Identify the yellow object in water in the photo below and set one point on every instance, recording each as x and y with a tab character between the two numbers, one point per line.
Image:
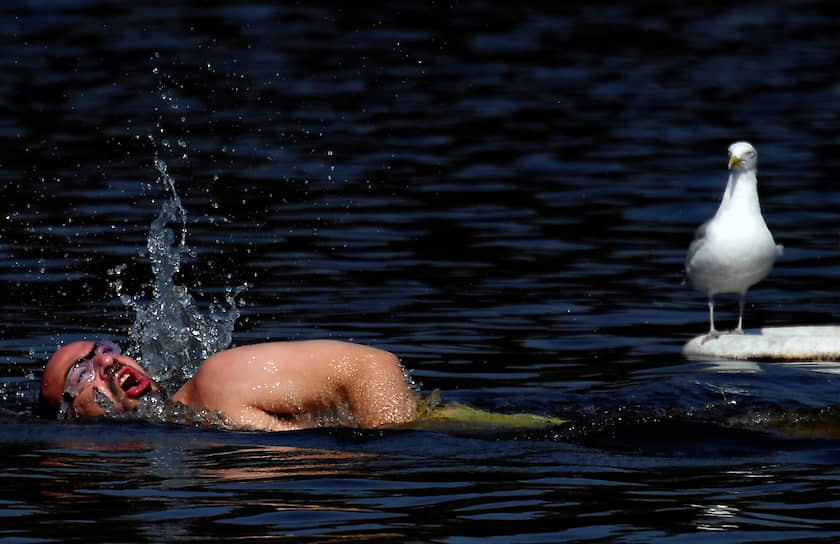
454	416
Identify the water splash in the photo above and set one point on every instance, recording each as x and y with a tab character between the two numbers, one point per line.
155	407
105	403
171	334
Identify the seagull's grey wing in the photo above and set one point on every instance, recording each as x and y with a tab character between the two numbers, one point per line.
699	237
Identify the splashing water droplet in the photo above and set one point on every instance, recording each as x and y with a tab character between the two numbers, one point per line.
104	402
172	335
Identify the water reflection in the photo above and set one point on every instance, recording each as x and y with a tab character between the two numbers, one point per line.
277	463
717	517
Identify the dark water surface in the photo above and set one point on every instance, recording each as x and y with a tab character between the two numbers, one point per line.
501	195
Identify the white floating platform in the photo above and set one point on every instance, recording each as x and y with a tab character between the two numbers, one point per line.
805	343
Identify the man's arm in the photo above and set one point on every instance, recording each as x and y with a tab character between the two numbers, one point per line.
286	385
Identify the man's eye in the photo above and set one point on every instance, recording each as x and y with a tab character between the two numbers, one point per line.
79	375
105	346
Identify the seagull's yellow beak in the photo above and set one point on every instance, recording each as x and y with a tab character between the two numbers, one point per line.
733	160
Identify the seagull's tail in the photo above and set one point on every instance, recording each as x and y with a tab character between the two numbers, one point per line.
780	250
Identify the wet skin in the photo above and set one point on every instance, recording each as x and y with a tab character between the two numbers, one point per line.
270	386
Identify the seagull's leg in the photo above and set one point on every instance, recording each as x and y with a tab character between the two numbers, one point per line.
738	329
713	333
712	315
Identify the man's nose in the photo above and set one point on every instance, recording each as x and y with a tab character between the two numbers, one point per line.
103	363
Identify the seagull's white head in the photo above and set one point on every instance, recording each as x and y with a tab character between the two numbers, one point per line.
742	156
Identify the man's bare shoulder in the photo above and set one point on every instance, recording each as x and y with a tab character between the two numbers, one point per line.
295	378
290	351
304	358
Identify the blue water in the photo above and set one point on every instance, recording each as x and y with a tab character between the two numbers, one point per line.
500	194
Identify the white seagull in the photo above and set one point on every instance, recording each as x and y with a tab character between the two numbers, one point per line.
733	250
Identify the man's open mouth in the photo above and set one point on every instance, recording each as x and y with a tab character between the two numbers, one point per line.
131	382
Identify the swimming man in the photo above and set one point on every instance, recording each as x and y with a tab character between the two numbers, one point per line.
272	386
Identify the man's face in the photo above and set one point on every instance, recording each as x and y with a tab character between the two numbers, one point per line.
75	370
